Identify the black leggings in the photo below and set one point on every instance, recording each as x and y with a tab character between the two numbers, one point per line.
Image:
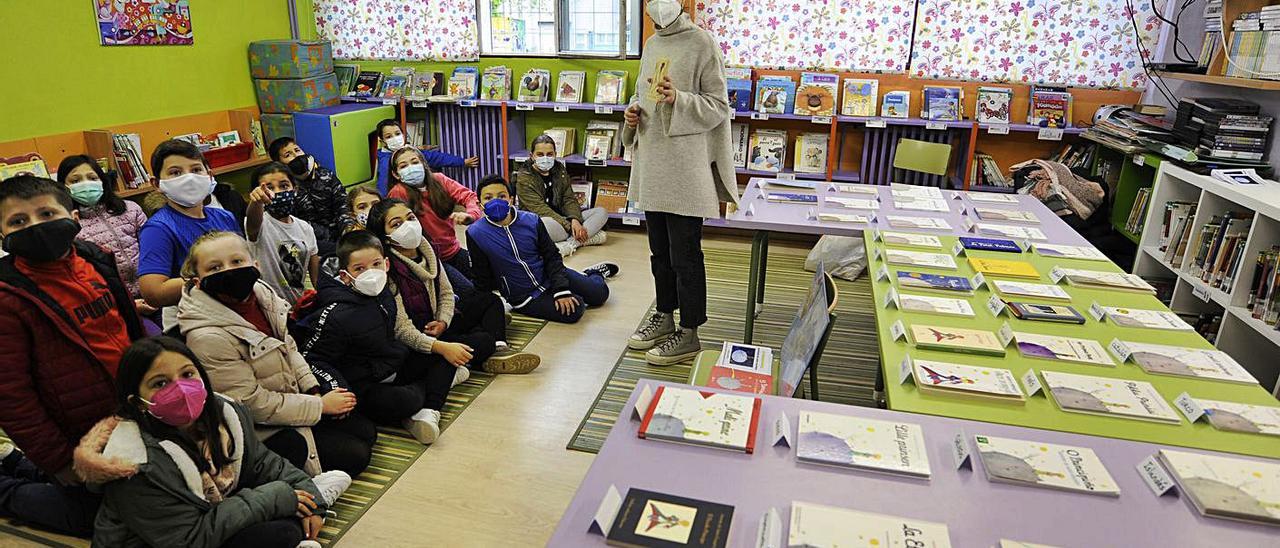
478	321
277	533
423	382
342	444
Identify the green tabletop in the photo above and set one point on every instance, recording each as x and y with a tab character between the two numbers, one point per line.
1040	411
700	374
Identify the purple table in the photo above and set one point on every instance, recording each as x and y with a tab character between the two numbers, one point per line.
978	513
758	214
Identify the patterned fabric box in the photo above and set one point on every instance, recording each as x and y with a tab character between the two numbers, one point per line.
275	126
293	95
289	58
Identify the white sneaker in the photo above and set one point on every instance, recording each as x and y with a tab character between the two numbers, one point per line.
461	375
567	247
332	484
309	544
424	425
599	239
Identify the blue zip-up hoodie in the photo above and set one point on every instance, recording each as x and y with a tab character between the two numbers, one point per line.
435	159
520	260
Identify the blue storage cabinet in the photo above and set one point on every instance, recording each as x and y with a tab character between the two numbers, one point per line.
341	137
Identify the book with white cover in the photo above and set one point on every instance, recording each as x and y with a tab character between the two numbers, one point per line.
997	214
684	415
1106	280
921	204
926	223
992	198
1006	543
1227	487
919	258
870	190
945	377
884	446
926	304
1241	417
900	190
1048	347
1070	252
1159	359
852	203
1028	289
817	525
1109	397
909	239
1045	465
1150	319
1009	231
845	218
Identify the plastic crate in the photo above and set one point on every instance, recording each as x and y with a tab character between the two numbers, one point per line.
231	154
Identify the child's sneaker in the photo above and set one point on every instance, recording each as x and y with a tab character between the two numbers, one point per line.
605	269
460	376
599	239
424	425
567	247
332	484
655	328
681	346
506	360
309	544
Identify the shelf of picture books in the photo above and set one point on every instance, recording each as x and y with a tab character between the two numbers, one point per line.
1061	318
1221	241
471	86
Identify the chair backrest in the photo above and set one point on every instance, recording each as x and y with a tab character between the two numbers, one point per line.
922	156
808	333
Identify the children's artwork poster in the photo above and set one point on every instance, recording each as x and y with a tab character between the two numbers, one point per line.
144	22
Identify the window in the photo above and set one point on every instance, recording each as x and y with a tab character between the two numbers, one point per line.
552	27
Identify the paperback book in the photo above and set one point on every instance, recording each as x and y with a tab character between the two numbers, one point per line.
911	203
747	357
897	104
993	105
922	259
741	137
570	85
1106	280
990	244
495	83
1108	397
367	83
1159	359
1048	347
393	86
768	150
346	75
934	305
967	380
811	153
900	190
845	218
1048	465
775	95
852	203
1007	288
920	280
1045	312
1069	252
428	84
792	198
1148	319
738	82
1049	107
847	188
859	97
535	86
1015	215
465	83
649	518
942	103
739	380
611	87
661	70
991	197
866	444
921	223
1009	231
1227	487
814	525
817	94
1242	417
955	339
1001	267
682	415
910	239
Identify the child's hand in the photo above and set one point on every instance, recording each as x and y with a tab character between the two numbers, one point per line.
567	305
579	231
306	503
472	162
668	91
435	328
143	308
337	402
457	354
311	526
460	218
632	115
261	195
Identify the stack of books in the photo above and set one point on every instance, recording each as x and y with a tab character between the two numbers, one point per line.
128	153
986	172
1138	214
1076	155
1212	33
1175	230
743	368
1220	247
1263	303
1255	45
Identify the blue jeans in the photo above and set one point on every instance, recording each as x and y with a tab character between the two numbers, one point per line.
589	289
459	271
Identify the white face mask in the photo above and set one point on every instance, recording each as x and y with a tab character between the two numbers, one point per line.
663	12
544	163
188	189
370	282
394	143
413	175
408	235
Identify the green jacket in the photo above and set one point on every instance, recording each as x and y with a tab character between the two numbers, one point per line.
153	493
532	194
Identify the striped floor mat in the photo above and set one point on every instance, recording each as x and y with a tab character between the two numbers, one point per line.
394	452
848	367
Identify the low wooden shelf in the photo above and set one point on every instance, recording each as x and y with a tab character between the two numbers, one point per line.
1250	83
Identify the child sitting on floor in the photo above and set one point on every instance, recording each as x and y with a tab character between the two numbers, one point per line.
284	245
359	201
543	187
391	139
513	254
435	199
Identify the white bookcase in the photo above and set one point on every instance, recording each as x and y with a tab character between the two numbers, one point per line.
1249	341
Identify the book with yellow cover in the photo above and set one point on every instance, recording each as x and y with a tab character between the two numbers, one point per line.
1005	268
956	339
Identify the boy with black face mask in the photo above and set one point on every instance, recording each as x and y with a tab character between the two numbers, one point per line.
66	318
321	198
284	244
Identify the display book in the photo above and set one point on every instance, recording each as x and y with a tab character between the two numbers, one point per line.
957	285
396	85
927	304
1108	397
904	257
611	195
565	139
942	103
495	83
1013	289
708	419
1009	231
896	104
993	105
535	86
817	94
603	140
1066	349
743	368
649	518
1047	465
1219	249
1087	253
1045	312
740	136
865	444
611	87
1001	214
367	83
1094	279
820	525
464	83
1147	319
953	379
811	152
768	150
346	74
570	85
955	339
1050	107
1004	268
860	97
775	94
427	84
1241	417
1181	361
1226	487
990	244
738	83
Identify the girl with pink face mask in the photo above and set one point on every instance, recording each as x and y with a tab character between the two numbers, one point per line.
179	464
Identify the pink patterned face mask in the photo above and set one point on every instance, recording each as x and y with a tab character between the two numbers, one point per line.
179	403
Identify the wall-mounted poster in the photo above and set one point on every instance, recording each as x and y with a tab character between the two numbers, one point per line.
144	22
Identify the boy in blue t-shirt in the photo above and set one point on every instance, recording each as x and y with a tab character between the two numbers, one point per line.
184	180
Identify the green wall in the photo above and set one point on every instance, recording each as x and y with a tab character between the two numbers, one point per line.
68	82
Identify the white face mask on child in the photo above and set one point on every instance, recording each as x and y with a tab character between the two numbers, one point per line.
544	163
188	189
394	143
413	175
370	282
408	235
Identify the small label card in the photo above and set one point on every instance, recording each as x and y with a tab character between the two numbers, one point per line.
390	101
560	108
811	215
1139	159
1097	312
891	299
786	176
631	220
643	401
824	120
1050	134
750	211
998	129
1189	407
876	254
882	274
967	224
905	370
935	125
524	106
1031	382
1005	334
604	109
1120	350
957	249
1200	291
1155	476
769	534
782	430
960	450
606	513
468	103
759	116
897	331
421	104
978	280
875	235
996	306
597	163
875	122
1056	275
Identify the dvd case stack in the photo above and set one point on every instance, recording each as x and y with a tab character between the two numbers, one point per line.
1222	128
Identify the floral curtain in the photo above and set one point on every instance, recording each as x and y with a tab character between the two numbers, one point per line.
1081	43
407	30
852	35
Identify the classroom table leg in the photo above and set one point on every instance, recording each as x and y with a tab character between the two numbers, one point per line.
753	276
764	270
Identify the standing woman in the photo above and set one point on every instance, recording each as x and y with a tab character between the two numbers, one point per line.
433	197
678	125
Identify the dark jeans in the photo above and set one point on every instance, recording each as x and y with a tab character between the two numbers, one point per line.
679	271
277	533
458	268
29	495
589	289
342	444
423	382
478	322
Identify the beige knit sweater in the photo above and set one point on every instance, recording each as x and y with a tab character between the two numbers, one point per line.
683	155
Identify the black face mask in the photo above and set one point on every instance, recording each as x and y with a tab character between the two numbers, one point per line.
236	283
301	165
43	242
282	204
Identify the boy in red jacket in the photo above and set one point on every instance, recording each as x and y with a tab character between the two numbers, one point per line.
65	320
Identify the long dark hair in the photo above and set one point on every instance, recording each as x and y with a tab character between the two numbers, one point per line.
269	168
134	365
113	203
377	224
439	200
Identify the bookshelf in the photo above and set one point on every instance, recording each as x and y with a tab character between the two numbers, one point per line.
1250	341
1265	85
